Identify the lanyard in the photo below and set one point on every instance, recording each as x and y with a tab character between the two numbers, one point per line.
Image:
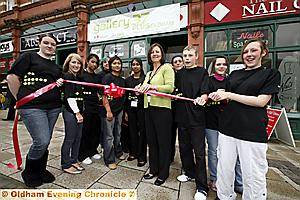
151	76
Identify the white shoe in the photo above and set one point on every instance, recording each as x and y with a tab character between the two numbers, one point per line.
184	178
87	161
200	195
97	156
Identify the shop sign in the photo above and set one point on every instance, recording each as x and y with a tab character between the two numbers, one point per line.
231	10
240	37
63	37
6	47
144	22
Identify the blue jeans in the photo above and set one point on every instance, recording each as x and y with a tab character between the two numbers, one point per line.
71	144
212	141
40	124
112	137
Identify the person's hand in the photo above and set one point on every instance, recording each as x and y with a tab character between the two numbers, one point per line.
146	87
79	117
109	116
59	82
200	101
219	95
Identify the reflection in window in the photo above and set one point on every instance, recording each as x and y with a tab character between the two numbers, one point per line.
216	41
138	49
119	49
240	36
288	64
9	4
288	35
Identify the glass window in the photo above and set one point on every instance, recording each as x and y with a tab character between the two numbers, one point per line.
138	49
288	35
216	41
97	50
119	49
240	36
288	64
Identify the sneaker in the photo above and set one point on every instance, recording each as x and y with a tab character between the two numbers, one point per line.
87	161
184	178
122	157
112	166
200	195
97	156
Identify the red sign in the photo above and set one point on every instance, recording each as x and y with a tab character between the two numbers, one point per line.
222	11
273	115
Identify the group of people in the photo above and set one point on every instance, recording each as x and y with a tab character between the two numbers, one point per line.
229	111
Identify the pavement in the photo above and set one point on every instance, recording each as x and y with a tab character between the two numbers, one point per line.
283	178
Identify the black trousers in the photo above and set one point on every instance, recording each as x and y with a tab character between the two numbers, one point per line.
173	139
158	130
137	133
192	154
91	132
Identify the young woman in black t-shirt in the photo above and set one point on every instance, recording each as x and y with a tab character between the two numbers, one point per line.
30	72
218	80
243	124
114	112
72	114
91	131
136	115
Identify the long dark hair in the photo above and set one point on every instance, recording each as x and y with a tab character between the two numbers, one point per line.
140	63
213	69
112	59
90	57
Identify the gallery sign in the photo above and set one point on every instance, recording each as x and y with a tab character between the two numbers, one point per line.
143	22
63	37
6	47
231	10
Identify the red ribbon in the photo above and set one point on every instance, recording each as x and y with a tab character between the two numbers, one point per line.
111	90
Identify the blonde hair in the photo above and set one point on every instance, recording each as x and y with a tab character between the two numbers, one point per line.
68	60
191	47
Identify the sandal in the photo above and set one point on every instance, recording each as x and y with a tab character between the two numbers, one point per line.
78	166
72	170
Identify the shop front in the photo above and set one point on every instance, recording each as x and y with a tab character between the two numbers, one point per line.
229	23
6	60
130	34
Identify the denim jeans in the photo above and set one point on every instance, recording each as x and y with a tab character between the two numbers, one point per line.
212	141
40	124
112	145
71	144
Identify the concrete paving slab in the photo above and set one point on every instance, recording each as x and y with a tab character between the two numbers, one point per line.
152	192
122	177
101	186
133	165
281	190
4	155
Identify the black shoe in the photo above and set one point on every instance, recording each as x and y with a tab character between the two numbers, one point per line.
32	173
7	119
238	190
131	158
47	177
159	182
141	163
149	176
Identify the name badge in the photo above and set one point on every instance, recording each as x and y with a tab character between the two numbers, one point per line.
134	104
149	98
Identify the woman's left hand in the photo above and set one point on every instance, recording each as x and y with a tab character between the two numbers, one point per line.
200	101
146	87
59	82
219	95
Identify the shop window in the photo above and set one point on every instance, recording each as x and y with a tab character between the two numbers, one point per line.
288	64
97	50
216	41
240	36
288	35
138	49
119	49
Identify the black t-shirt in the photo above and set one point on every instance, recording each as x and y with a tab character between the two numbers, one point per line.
191	83
248	122
36	72
72	90
116	105
133	101
213	109
91	100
